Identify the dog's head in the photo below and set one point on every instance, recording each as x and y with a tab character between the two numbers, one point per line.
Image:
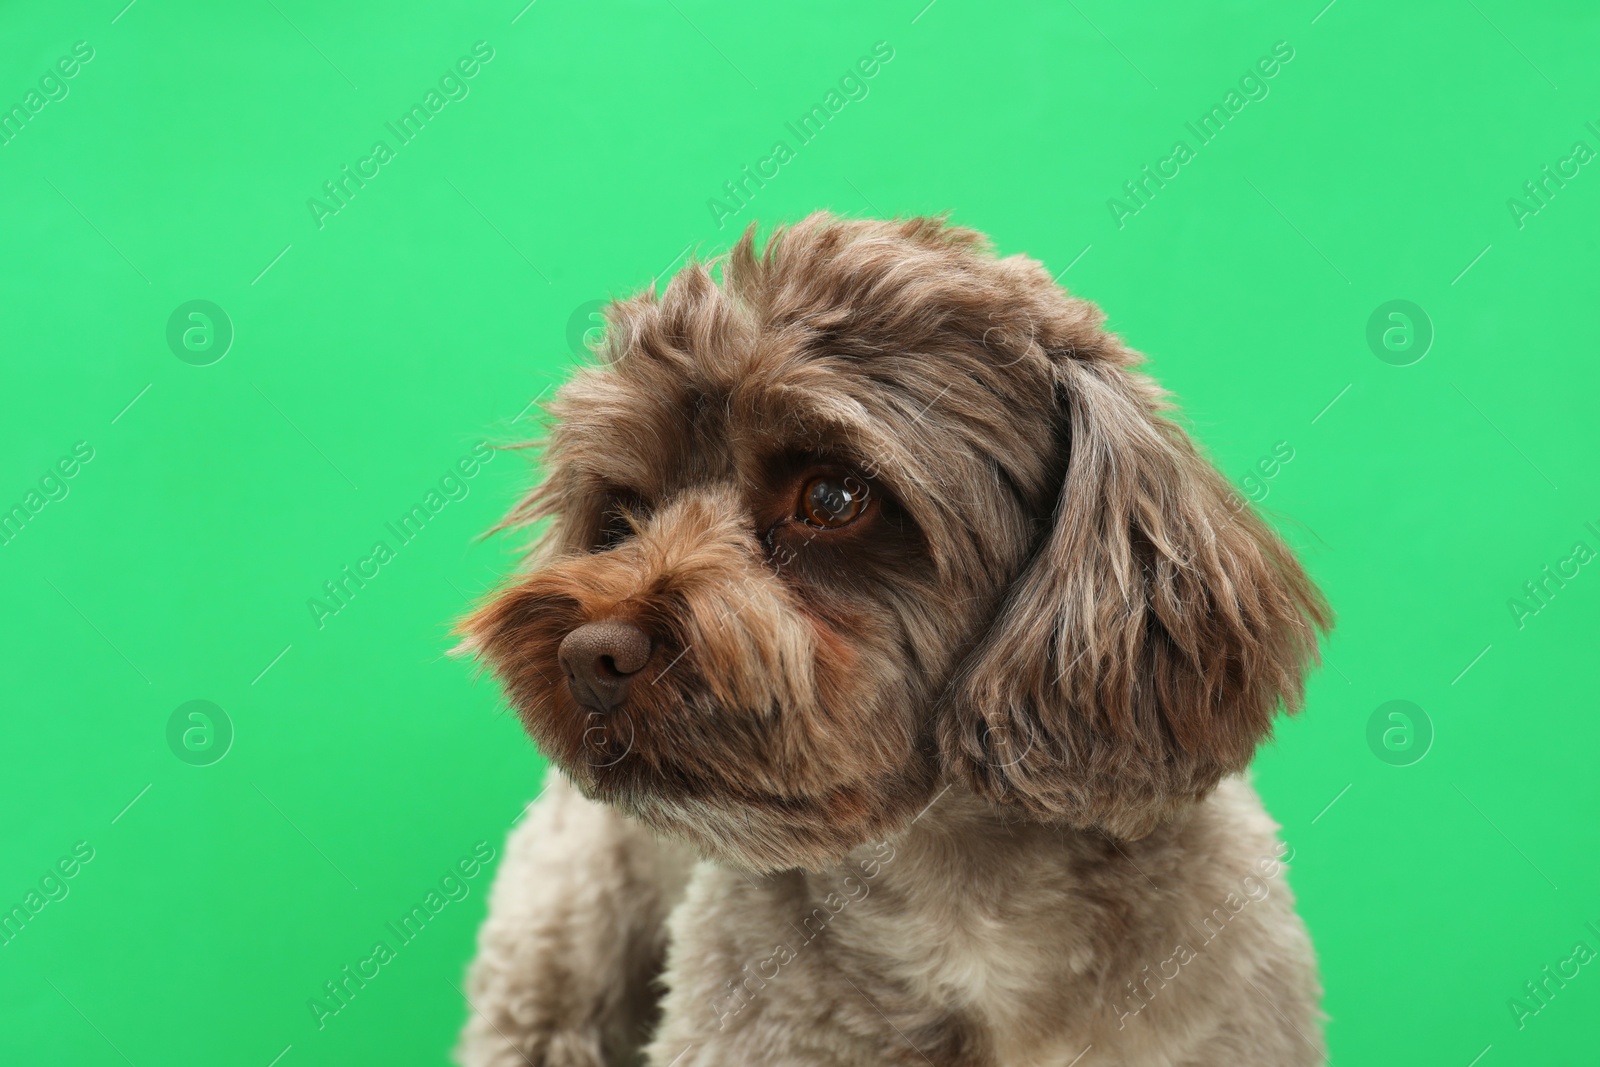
873	512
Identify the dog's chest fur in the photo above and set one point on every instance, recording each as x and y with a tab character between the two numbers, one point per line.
977	934
982	943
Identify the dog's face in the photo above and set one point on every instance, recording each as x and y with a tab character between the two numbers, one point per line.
877	511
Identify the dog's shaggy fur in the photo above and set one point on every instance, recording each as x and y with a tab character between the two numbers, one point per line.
956	772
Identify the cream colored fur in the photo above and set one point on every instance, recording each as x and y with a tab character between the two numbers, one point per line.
970	937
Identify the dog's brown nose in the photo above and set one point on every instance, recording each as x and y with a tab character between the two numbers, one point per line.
600	659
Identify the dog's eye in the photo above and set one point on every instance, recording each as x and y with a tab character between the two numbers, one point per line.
830	501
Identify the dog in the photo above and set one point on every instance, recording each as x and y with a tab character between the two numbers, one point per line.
902	659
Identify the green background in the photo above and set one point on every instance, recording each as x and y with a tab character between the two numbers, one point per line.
373	352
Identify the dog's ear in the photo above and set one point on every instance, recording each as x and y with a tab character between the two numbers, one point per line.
1145	647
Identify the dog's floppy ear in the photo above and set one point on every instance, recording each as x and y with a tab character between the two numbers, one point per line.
1146	646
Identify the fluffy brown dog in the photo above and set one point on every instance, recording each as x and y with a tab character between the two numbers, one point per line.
877	579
